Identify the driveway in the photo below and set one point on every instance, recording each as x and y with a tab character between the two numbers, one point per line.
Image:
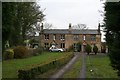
66	67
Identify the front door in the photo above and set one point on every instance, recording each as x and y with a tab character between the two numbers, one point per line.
83	46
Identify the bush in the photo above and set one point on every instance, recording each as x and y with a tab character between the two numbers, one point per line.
30	51
79	46
31	72
88	48
70	48
37	51
9	54
40	50
95	49
103	51
20	52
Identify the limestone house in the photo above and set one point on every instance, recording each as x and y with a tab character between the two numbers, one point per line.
64	38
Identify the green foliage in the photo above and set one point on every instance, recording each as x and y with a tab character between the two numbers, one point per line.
35	52
112	23
30	51
114	58
10	67
33	41
38	51
75	70
42	68
70	48
88	48
7	21
20	52
79	46
9	54
18	19
100	66
95	49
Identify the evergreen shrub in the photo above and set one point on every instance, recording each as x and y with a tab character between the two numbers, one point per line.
88	48
95	49
21	52
9	54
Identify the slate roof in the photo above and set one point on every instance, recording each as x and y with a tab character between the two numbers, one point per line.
73	31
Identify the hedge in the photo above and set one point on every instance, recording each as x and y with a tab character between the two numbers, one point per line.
8	54
31	72
20	52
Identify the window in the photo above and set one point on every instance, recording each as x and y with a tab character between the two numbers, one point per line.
75	46
62	37
62	45
84	37
46	36
54	36
76	37
46	45
87	38
93	37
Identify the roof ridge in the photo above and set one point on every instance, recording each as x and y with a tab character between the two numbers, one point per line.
71	29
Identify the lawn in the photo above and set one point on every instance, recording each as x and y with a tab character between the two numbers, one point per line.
10	67
74	70
98	66
0	70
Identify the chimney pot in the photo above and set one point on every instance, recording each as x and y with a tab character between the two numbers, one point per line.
42	26
70	26
99	28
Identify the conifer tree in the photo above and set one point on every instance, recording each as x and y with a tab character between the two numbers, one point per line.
112	29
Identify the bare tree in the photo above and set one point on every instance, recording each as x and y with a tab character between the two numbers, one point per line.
34	29
80	26
48	26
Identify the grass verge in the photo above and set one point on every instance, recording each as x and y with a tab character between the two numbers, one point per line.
0	70
98	66
10	67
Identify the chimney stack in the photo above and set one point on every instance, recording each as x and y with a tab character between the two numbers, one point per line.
41	30
42	27
70	27
99	28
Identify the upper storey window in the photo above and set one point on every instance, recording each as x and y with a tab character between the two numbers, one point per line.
54	36
84	37
62	37
46	36
76	37
93	37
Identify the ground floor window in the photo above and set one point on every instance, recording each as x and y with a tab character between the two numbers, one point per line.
62	45
46	45
75	46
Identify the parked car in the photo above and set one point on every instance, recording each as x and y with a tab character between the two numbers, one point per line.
55	49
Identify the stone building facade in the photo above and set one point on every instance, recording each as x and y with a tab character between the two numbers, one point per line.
65	38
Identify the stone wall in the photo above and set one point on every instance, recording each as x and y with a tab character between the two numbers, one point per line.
69	41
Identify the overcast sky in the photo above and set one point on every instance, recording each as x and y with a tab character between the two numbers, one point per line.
61	13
